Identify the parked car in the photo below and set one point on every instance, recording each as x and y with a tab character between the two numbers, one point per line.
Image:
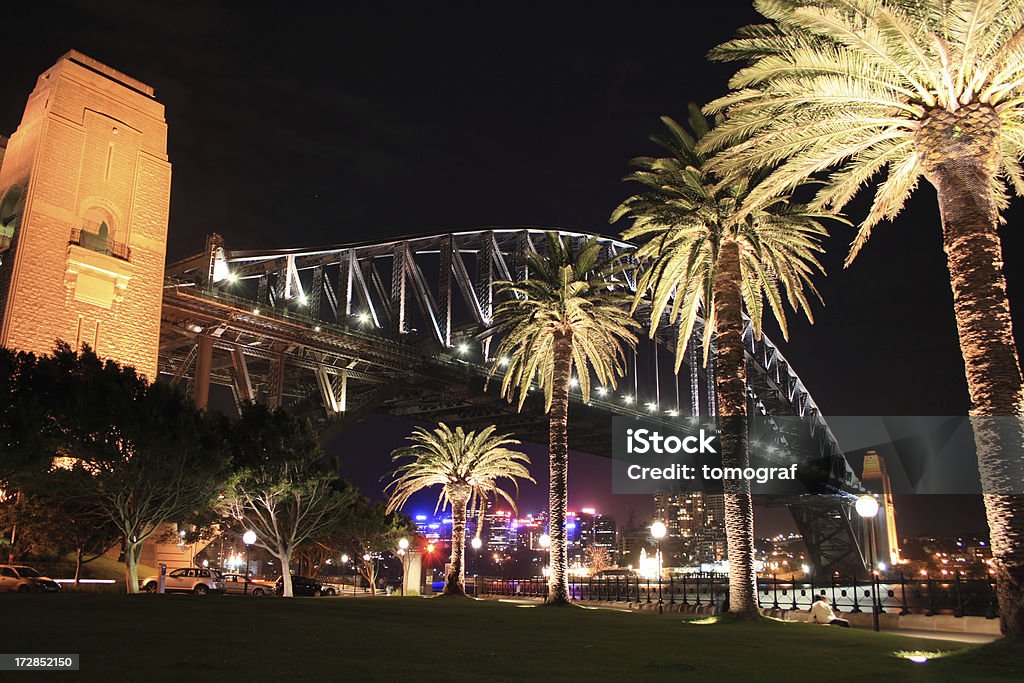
235	584
301	585
21	579
196	580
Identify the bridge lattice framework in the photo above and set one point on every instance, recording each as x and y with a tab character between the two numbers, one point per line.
405	327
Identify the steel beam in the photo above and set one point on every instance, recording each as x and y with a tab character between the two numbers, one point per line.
204	361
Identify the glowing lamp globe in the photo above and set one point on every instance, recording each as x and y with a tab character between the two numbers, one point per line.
866	506
404	544
249	537
658	530
544	540
344	559
476	543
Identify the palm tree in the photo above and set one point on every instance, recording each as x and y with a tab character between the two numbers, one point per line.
570	314
914	88
468	467
696	255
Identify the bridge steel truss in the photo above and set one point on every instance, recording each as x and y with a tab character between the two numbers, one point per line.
405	326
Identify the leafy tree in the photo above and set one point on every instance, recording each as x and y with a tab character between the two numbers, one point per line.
700	253
598	558
23	417
467	466
140	454
55	520
369	529
279	490
900	89
569	315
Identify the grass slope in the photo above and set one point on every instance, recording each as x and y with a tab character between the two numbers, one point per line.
217	637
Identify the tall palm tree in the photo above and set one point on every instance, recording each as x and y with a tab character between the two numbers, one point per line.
697	256
468	466
569	315
905	89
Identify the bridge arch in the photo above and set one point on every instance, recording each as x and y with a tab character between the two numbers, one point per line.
404	326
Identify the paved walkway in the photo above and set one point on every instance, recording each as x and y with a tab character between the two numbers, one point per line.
952	636
974	638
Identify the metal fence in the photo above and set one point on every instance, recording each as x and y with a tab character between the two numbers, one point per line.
957	596
88	240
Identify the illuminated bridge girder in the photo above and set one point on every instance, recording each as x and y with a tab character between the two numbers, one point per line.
337	332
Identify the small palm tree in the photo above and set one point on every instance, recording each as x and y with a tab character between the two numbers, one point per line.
698	257
569	315
467	466
902	89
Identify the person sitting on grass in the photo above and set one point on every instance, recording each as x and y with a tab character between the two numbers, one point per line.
821	613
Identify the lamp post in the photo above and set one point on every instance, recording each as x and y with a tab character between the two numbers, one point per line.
658	530
370	574
477	544
344	563
403	549
544	541
867	508
249	537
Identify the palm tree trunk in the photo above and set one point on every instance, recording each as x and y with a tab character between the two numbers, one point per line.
454	580
961	154
731	390
558	449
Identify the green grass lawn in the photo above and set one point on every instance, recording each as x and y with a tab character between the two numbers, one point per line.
107	568
188	638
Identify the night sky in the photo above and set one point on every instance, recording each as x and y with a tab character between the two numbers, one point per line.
294	125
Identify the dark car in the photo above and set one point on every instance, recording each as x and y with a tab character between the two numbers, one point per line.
301	585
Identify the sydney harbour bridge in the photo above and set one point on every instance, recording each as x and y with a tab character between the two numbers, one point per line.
405	327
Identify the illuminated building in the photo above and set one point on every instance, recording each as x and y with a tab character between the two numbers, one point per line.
497	525
84	196
527	532
874	469
696	524
604	535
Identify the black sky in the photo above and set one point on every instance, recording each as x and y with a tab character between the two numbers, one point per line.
293	125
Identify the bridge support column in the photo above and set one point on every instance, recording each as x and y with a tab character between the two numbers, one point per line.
243	385
204	363
275	391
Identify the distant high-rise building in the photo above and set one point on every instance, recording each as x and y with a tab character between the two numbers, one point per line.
497	525
527	532
604	535
696	524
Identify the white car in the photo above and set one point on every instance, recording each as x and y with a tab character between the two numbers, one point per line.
186	580
235	584
23	579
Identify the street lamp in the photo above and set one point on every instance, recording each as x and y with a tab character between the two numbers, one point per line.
867	508
366	559
249	537
344	563
403	547
658	530
477	544
544	541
